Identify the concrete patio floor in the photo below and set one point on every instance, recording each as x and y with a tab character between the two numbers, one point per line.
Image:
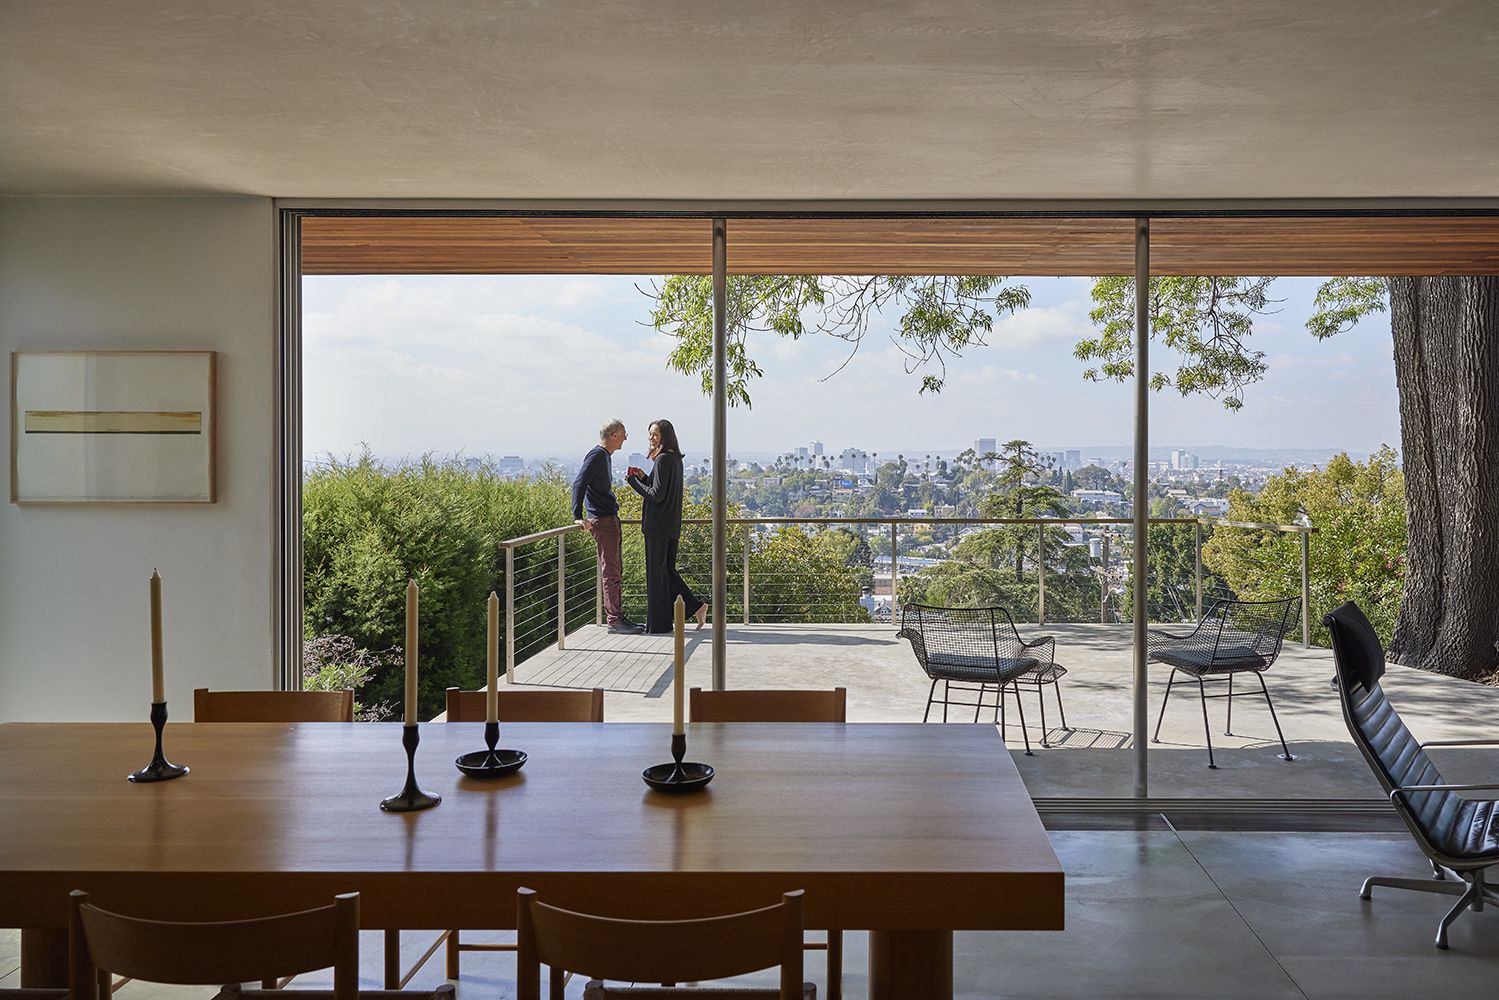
1092	759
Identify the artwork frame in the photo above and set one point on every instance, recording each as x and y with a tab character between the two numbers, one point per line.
113	427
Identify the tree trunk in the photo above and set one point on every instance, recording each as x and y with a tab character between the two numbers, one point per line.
1446	333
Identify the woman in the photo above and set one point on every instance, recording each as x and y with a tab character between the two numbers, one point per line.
661	522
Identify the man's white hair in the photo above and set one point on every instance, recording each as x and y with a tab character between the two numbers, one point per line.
610	426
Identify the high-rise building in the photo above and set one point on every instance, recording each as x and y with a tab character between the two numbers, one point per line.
1181	458
985	446
1072	459
817	447
801	453
854	460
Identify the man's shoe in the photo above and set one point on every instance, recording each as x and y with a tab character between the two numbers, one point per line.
625	628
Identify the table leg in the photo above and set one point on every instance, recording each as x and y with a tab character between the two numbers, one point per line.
44	958
910	965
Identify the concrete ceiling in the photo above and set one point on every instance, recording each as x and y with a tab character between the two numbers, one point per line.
771	99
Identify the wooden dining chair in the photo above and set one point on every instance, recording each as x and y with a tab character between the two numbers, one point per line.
209	954
780	706
273	706
768	706
559	705
658	951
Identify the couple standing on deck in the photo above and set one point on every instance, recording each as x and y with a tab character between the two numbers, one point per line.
595	508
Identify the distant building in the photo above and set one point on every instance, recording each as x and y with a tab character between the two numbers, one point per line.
1072	459
1208	507
802	453
853	460
984	446
1182	459
817	447
1098	496
510	465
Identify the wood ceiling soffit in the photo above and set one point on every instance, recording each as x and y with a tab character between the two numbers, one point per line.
1014	246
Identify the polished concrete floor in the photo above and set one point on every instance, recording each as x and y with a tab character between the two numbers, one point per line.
1152	913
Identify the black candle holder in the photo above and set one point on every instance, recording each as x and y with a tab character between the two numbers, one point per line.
491	763
160	769
676	778
411	798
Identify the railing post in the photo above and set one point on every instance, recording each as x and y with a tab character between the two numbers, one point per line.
746	572
894	570
562	591
1197	563
1103	584
1306	589
1041	574
510	615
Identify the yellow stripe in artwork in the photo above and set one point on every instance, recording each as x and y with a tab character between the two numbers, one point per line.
114	422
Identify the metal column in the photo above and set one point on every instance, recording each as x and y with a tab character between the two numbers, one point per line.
746	572
1041	574
561	591
1141	504
720	452
1306	589
509	615
1197	564
894	572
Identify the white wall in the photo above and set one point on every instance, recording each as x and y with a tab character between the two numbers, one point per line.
143	274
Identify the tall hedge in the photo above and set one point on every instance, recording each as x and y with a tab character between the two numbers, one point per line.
367	529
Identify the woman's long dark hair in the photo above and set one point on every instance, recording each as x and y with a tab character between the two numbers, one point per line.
668	436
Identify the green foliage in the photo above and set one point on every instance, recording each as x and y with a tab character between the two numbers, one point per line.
980	575
1171	577
1018	492
796	576
368	529
334	663
940	316
1357	552
1342	302
1205	320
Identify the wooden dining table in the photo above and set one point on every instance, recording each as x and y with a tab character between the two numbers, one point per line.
908	831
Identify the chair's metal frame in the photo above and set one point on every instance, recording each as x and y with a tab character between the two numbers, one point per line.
1216	668
915	619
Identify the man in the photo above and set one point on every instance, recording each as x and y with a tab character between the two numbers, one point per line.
593	495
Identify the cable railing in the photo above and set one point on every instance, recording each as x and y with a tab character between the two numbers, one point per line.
814	570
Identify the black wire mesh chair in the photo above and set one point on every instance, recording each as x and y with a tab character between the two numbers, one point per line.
1234	637
1459	835
973	648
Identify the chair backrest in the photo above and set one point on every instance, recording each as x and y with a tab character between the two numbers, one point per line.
959	634
1381	735
1254	628
768	706
273	706
211	954
657	951
529	706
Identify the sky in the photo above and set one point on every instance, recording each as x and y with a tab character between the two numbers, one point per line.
532	365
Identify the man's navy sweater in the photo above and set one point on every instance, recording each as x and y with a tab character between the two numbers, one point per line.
593	487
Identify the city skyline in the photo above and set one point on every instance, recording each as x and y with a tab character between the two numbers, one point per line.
530	365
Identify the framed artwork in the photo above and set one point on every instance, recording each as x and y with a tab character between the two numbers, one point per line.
112	427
